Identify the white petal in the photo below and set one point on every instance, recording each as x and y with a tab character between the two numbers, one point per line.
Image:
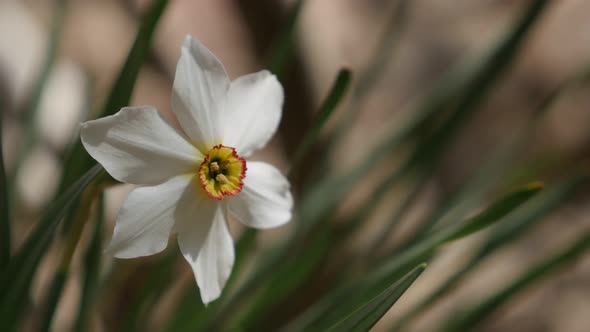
200	85
138	146
252	111
208	247
146	218
265	200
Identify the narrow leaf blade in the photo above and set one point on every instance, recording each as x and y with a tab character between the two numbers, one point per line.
371	312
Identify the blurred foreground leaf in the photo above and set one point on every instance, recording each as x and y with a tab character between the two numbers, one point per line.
343	300
463	87
40	85
16	282
426	248
5	229
515	225
91	270
80	218
365	317
337	92
468	320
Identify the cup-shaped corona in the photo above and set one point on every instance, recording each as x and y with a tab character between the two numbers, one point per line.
222	172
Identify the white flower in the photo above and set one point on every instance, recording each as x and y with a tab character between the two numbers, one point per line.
190	181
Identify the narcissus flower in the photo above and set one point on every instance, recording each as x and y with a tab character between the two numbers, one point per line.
190	181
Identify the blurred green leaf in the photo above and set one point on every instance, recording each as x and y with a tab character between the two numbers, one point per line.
382	56
5	237
283	48
425	248
79	161
515	225
463	87
190	313
34	101
390	271
283	281
499	210
81	216
16	282
365	317
337	92
468	320
137	318
52	299
91	269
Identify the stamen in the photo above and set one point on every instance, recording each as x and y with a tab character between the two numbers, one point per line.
221	178
222	172
224	164
214	167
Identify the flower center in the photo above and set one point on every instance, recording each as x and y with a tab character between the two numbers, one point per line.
222	172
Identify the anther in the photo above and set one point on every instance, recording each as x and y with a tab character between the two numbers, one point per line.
214	167
224	164
221	178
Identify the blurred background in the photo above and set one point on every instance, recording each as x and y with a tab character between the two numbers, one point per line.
396	50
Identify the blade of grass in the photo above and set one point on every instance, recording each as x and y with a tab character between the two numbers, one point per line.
140	307
30	131
381	58
79	161
469	320
337	92
425	248
284	281
493	170
327	194
190	313
283	49
91	269
466	82
336	303
5	229
57	286
517	223
16	282
365	317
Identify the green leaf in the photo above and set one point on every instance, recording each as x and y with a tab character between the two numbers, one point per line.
499	210
424	249
16	282
465	86
337	303
337	92
284	281
156	283
91	269
34	101
5	237
51	302
79	161
469	319
283	48
515	225
190	313
365	317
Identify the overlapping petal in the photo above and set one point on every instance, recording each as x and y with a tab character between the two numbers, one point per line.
146	218
200	85
138	146
265	200
252	111
206	244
